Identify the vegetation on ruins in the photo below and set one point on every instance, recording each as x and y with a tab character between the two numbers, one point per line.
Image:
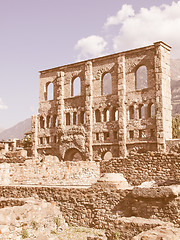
25	233
176	126
27	141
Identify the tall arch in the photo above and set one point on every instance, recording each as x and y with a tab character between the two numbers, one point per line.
131	112
141	78
76	87
73	154
97	116
50	91
106	115
42	122
106	84
114	114
151	110
141	111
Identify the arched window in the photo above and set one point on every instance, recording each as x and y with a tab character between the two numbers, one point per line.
107	84
82	117
48	121
42	122
67	118
131	112
151	110
114	114
141	78
75	118
76	87
97	115
106	115
55	121
50	91
141	111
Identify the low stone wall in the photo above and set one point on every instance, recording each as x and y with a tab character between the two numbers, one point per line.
106	207
49	171
138	168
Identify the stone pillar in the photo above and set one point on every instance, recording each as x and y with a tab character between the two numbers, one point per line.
122	106
163	94
60	99
88	109
34	130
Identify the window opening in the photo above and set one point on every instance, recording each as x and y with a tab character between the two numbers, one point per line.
107	84
75	118
141	111
41	140
151	110
50	91
76	86
142	134
131	112
67	118
97	116
152	132
82	117
47	140
114	114
141	78
55	121
131	134
42	122
106	115
115	135
48	122
106	136
97	136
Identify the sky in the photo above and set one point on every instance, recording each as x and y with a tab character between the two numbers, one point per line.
42	34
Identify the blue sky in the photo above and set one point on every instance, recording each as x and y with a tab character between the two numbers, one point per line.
41	34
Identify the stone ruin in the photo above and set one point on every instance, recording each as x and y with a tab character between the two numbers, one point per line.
105	107
103	128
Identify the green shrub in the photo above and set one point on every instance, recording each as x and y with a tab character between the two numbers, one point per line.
34	224
57	222
25	233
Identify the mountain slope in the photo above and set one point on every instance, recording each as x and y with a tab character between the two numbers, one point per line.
175	85
16	131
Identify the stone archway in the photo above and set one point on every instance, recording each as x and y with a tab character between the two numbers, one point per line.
107	155
74	155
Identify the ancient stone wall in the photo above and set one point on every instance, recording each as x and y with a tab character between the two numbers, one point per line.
141	167
104	206
49	171
107	104
136	168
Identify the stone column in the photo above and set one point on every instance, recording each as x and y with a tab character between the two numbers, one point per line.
34	130
60	99
122	106
88	109
163	94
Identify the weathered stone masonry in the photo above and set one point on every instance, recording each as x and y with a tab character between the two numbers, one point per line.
106	105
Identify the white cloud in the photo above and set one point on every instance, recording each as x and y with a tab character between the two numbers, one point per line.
2	105
135	29
150	25
92	46
125	12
